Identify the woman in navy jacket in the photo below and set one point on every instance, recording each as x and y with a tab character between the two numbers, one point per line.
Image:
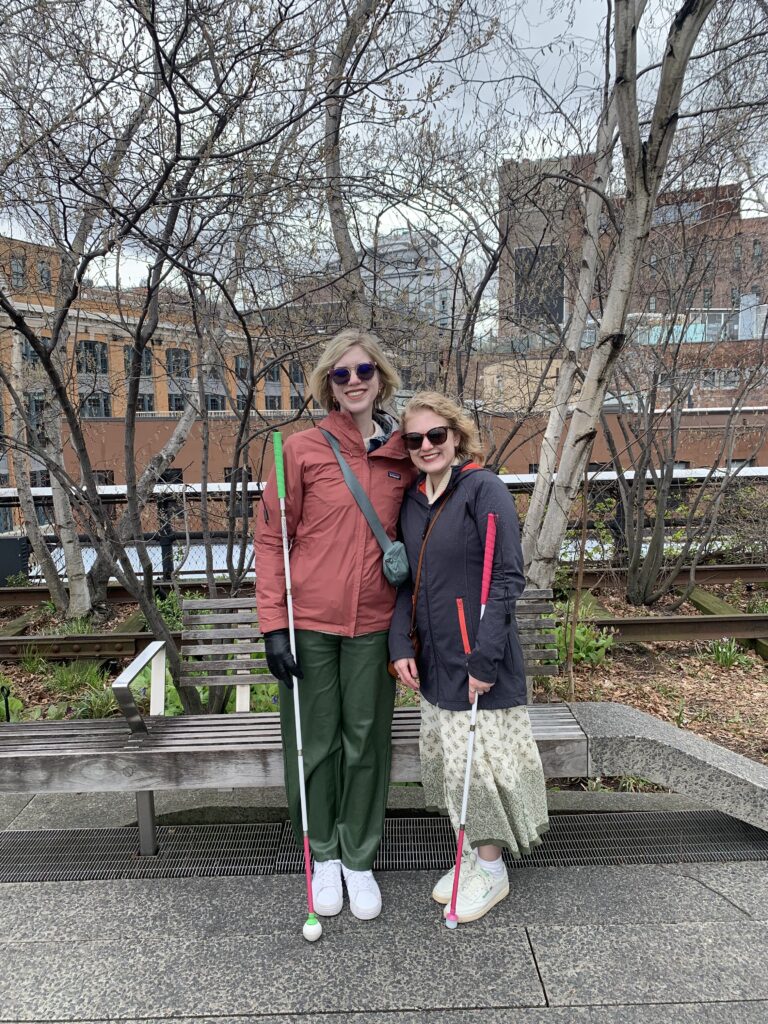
507	801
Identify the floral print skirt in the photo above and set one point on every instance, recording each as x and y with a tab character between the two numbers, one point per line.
507	795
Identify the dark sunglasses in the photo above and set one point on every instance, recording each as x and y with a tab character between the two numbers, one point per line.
342	374
435	436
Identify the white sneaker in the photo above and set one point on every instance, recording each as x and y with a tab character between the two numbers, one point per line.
478	894
364	895
327	893
444	889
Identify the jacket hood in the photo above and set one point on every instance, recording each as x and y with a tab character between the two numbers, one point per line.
344	429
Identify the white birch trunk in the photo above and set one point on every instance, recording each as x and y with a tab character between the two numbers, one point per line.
644	166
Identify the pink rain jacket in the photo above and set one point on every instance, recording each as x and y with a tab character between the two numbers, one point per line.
336	571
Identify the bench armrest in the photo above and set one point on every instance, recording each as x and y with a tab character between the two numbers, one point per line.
121	687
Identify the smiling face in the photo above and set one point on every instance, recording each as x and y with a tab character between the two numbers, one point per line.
357	397
432	459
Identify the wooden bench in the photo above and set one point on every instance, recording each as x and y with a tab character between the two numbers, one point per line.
221	646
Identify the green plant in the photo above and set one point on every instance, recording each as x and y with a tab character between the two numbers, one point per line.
636	784
263	698
170	609
680	714
17	579
72	677
33	662
757	605
75	627
595	786
97	701
727	653
590	644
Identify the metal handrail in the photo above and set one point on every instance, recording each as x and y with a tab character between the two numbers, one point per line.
154	656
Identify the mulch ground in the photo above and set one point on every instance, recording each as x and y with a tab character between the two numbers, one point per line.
684	685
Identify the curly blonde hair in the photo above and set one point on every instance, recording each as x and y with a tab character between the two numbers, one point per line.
319	381
458	420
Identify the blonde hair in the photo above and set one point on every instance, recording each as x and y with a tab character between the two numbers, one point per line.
319	381
469	440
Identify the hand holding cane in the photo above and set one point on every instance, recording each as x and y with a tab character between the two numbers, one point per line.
312	928
451	919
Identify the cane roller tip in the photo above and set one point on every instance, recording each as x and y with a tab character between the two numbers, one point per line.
312	929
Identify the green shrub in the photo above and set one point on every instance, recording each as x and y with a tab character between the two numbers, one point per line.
590	644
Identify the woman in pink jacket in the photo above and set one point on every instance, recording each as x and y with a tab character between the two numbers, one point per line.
342	609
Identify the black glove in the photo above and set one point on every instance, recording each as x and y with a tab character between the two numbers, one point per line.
277	644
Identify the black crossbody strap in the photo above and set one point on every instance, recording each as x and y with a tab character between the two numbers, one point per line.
359	494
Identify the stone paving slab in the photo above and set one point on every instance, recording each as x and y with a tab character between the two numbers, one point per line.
237	975
11	806
630	963
662	1013
744	884
275	904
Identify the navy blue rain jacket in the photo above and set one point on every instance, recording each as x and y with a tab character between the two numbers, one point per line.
452	569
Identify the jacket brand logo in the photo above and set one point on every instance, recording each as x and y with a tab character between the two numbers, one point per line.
395	476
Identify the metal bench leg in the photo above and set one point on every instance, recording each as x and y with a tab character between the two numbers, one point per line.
145	812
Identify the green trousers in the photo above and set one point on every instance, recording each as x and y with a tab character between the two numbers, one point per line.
346	700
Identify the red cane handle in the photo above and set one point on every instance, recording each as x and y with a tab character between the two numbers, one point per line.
490	544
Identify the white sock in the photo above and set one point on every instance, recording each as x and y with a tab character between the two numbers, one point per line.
493	867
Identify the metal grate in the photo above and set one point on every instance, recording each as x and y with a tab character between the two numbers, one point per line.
411	844
186	851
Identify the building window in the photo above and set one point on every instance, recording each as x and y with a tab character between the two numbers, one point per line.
44	275
176	402
533	467
92	357
242	367
652	304
757	291
737	255
729	379
272	375
297	401
690	298
172	476
214	403
653	263
757	251
707	298
104	477
39	478
177	362
145	402
242	403
273	402
145	370
735	297
297	374
96	405
28	354
18	272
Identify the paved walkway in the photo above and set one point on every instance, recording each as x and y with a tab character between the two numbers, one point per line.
590	945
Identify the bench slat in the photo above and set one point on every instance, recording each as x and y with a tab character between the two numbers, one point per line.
241	633
218	602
